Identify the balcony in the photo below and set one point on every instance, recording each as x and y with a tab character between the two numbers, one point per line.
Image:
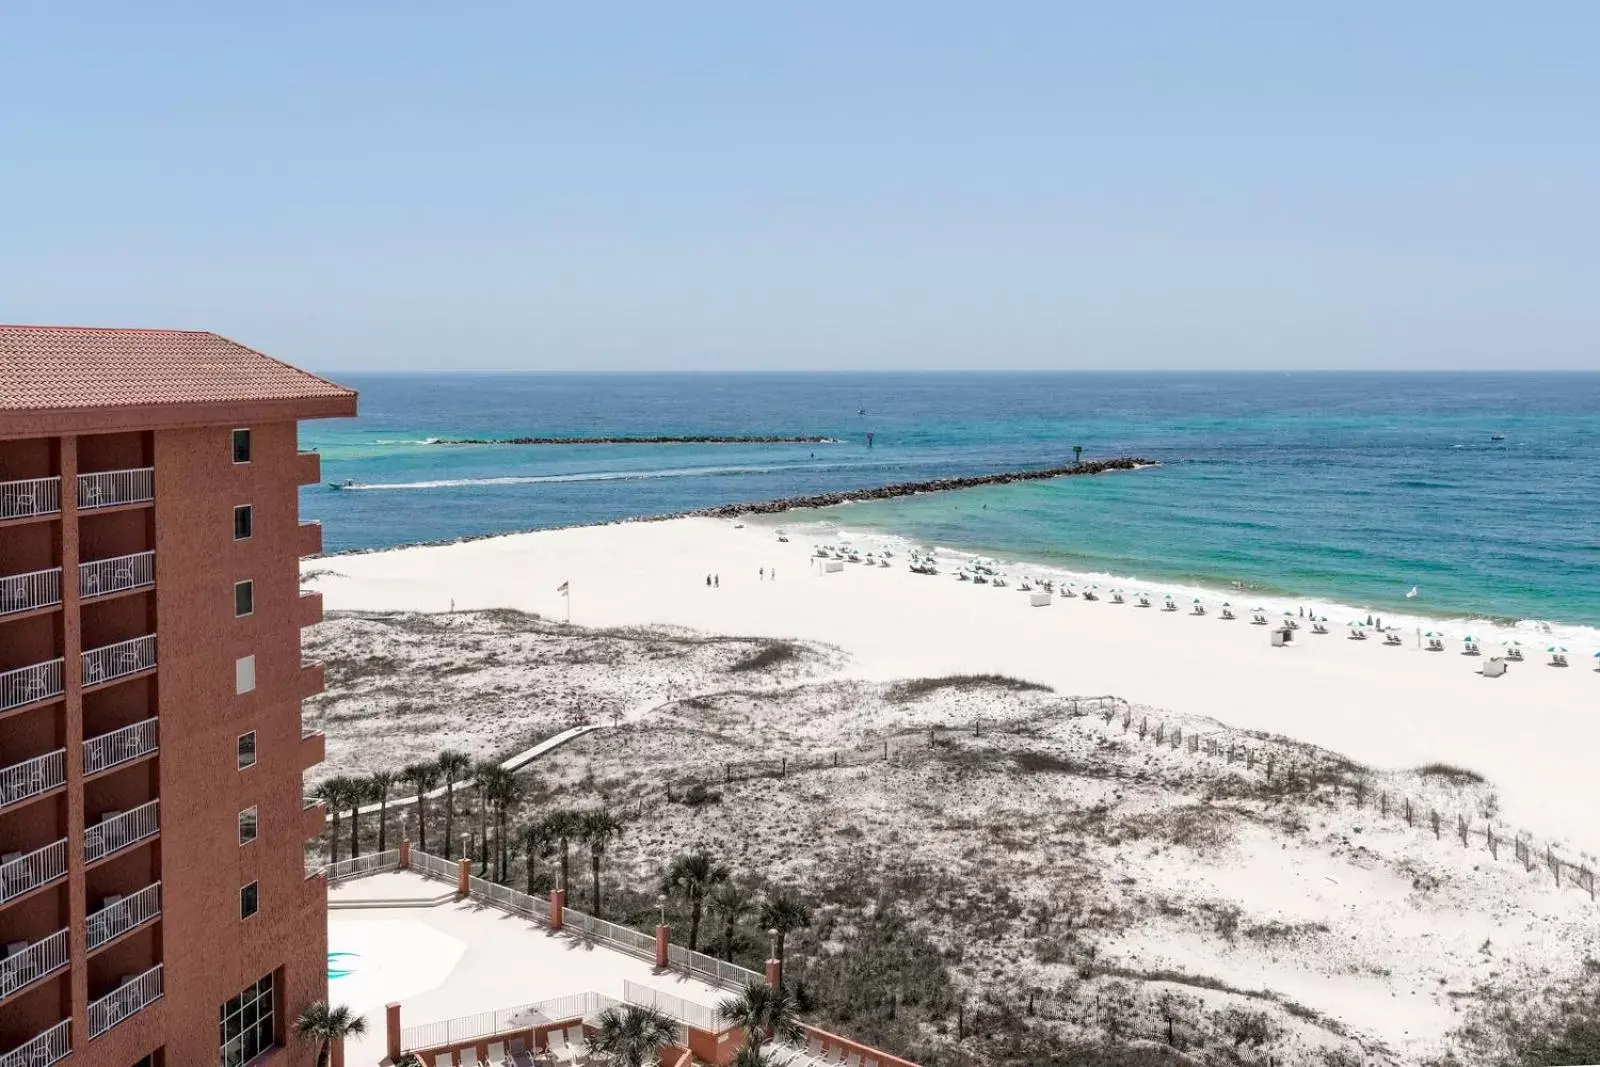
120	914
23	781
308	468
29	592
131	997
21	874
25	964
313	748
118	830
109	489
119	746
308	539
108	663
102	577
24	500
52	1046
42	681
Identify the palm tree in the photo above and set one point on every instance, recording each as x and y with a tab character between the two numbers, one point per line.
380	782
423	777
500	790
333	793
324	1025
563	825
633	1036
732	901
764	1013
750	1055
538	843
482	771
692	876
600	828
360	793
783	912
452	765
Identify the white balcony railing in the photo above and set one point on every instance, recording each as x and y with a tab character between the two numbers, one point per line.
31	777
129	998
25	592
27	684
119	746
52	1046
21	873
109	488
113	661
117	917
39	960
102	576
119	830
36	496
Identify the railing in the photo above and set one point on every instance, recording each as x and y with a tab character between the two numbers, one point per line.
119	746
36	496
38	960
433	866
628	940
102	576
25	592
711	970
37	868
512	900
121	831
113	661
504	1020
27	684
685	1011
109	488
127	999
130	912
52	1046
41	774
360	865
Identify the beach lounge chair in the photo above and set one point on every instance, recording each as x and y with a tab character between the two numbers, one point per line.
1169	606
1471	648
1514	653
519	1054
1090	594
1144	601
1227	613
1435	645
1117	598
1558	659
497	1054
1319	628
1198	609
1391	638
1258	619
1357	634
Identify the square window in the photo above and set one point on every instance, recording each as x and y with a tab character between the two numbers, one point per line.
249	901
247	750
247	826
244	674
243	522
241	446
244	598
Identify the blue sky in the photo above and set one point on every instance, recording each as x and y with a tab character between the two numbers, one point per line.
773	186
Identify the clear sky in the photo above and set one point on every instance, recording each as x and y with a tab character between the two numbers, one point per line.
765	186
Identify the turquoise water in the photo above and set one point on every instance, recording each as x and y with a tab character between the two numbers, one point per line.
1352	488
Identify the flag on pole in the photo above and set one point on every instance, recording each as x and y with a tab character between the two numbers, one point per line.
562	588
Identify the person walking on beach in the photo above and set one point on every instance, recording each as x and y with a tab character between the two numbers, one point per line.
718	581
708	581
762	574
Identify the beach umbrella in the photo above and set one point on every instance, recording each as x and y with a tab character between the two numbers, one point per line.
1469	639
1197	600
1355	624
1227	604
1517	643
1556	648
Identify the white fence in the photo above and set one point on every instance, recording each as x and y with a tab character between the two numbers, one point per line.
510	899
37	868
27	684
685	1011
52	1046
102	576
32	777
116	832
106	489
622	937
119	746
504	1020
44	957
113	661
711	970
371	863
433	866
25	592
132	996
35	496
118	918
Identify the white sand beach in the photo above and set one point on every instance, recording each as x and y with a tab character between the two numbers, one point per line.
1531	732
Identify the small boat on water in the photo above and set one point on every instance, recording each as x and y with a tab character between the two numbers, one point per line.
348	483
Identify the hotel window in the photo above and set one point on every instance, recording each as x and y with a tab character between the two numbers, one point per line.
247	826
247	1024
243	522
244	598
249	901
244	674
241	446
247	750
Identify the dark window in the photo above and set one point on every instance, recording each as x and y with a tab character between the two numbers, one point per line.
244	598
247	826
247	1024
241	446
243	522
247	750
249	901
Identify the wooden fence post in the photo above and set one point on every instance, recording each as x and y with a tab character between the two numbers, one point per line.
1494	850
1433	817
1461	828
1408	811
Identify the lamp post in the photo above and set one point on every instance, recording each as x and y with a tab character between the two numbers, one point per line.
662	901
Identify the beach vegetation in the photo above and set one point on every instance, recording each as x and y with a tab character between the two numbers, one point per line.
693	876
1451	773
917	688
633	1036
321	1024
599	829
769	655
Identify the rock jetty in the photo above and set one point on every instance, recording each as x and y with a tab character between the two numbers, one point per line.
937	485
696	440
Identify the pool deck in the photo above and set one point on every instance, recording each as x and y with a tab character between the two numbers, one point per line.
463	957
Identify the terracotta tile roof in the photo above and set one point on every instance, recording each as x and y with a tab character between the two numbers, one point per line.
64	367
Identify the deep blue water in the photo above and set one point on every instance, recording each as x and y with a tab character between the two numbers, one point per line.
1346	487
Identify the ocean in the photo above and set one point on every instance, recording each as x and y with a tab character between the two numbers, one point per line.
1477	490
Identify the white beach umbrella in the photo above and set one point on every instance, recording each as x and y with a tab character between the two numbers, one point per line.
1557	648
